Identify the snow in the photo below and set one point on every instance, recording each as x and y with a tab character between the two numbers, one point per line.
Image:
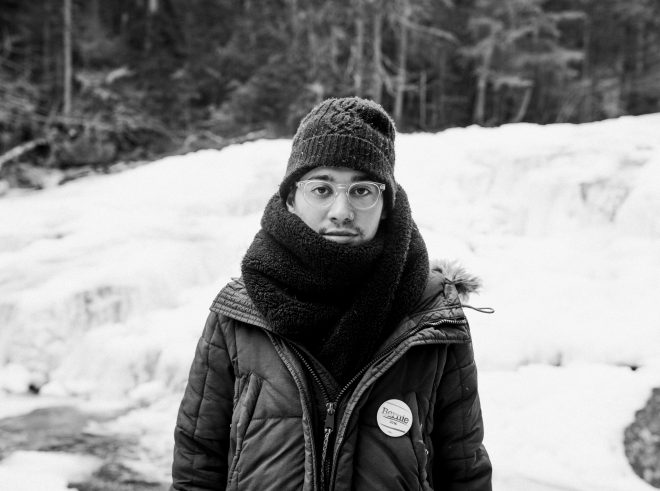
568	424
105	284
45	471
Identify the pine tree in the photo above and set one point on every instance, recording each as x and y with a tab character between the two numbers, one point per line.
515	46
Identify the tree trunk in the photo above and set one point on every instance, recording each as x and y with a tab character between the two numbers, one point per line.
422	100
68	69
294	17
401	70
497	97
313	43
524	104
153	6
148	29
438	115
640	32
587	85
377	56
94	25
334	49
94	16
482	85
46	49
623	79
480	103
359	49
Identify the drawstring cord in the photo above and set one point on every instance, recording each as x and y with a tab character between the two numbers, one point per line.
483	310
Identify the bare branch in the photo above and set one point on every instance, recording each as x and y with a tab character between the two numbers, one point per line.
431	31
19	150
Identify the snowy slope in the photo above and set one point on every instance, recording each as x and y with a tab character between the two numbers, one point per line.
105	282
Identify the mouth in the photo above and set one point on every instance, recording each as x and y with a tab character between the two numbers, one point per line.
340	233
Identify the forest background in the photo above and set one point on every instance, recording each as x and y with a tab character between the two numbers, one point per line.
85	83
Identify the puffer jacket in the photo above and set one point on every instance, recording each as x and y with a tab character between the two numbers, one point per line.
245	421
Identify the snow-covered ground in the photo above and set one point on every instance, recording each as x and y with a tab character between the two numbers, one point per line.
105	284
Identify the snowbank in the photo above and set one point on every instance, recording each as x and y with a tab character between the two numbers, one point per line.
45	471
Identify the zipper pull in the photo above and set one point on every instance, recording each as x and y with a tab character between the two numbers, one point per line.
330	416
329	428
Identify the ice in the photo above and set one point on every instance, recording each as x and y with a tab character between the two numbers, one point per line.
564	425
105	283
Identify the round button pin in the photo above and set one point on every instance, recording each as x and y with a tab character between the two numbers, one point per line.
394	417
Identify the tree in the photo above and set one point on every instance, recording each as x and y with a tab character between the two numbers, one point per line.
67	56
515	45
145	76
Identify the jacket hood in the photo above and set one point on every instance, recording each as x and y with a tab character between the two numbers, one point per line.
452	272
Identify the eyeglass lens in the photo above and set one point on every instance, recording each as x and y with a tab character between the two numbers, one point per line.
361	195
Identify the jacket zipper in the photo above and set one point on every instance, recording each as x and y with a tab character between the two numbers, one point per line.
331	407
379	356
330	412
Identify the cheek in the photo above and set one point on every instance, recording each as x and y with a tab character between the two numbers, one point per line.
312	217
370	226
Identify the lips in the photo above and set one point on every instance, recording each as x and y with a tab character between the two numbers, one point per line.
340	233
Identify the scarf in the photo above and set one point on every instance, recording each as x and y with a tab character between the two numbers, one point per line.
338	301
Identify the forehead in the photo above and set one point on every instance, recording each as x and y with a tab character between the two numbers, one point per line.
335	174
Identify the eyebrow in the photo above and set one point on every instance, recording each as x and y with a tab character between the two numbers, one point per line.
327	177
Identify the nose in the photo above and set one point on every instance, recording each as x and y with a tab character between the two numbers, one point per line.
341	212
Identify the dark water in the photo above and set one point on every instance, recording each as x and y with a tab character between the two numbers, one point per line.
62	429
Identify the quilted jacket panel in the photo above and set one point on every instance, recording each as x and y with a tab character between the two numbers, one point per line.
244	422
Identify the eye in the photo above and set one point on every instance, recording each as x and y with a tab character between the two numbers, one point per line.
362	190
320	189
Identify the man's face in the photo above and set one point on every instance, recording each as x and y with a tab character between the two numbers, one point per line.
340	222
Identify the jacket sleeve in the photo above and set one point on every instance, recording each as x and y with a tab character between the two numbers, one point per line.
460	461
201	436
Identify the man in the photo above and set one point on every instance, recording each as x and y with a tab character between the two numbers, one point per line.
338	360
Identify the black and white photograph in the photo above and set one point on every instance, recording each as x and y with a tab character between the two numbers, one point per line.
330	245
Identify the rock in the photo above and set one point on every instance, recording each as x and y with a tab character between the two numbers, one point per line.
115	476
642	441
27	175
88	148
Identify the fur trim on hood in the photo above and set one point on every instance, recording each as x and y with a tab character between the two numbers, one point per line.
454	273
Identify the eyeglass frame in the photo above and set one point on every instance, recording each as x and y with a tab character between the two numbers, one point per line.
380	186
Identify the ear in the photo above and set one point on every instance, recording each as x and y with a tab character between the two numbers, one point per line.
383	214
291	199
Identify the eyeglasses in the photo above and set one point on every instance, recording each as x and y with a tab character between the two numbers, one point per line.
362	195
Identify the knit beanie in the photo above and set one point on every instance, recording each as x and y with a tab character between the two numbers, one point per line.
348	132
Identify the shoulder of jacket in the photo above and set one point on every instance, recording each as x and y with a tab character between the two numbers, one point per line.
234	302
232	291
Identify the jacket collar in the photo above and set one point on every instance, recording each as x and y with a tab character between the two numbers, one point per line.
234	301
439	312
